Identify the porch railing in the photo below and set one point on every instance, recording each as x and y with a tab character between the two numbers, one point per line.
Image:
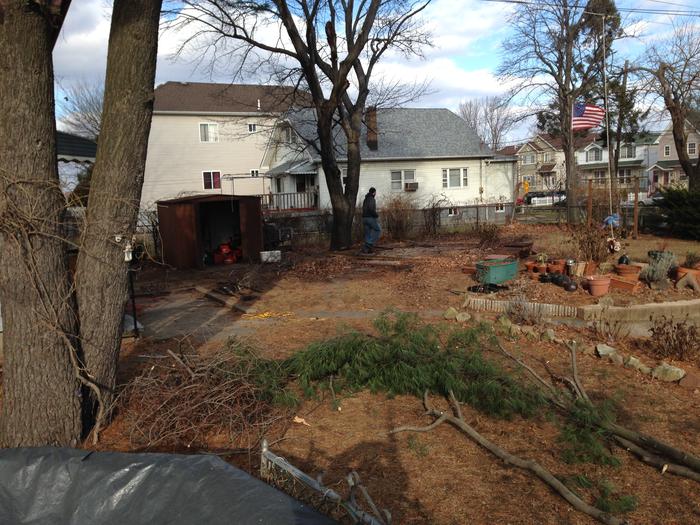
289	201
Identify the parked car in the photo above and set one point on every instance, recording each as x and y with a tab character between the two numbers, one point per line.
655	199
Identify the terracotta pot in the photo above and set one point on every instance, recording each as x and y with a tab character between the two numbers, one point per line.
530	266
540	268
682	271
469	270
591	267
555	268
624	284
598	285
627	270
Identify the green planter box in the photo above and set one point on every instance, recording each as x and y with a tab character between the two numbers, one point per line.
496	272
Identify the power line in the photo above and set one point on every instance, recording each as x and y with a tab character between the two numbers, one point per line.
647	11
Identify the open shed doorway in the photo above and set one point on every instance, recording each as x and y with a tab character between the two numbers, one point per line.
220	223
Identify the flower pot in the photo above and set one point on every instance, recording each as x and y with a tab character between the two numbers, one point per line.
624	284
598	285
530	266
540	268
591	267
469	270
681	272
555	267
628	271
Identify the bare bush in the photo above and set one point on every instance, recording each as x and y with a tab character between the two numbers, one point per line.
610	331
397	210
487	233
675	339
591	243
185	399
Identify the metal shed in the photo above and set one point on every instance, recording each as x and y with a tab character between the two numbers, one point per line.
191	227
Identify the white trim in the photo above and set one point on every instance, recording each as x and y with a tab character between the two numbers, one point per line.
199	132
252	127
221	176
403	179
217	113
463	174
667	148
695	147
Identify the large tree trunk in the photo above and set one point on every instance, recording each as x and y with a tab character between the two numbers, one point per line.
41	393
115	188
572	210
691	167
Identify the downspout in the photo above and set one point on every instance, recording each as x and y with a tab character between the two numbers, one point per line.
481	180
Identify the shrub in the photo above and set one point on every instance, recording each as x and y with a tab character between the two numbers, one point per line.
487	233
591	243
396	212
683	210
674	339
660	264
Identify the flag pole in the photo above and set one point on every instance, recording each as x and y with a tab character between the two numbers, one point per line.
607	125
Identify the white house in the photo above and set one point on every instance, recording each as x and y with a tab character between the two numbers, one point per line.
210	138
666	170
636	156
427	154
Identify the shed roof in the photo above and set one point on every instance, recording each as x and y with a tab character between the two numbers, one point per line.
405	133
71	147
192	199
201	97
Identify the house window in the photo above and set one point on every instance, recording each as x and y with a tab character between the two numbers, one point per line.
594	155
628	152
208	132
278	185
454	178
400	177
624	176
289	135
252	128
500	208
692	148
212	180
254	173
546	156
599	177
667	150
452	212
528	158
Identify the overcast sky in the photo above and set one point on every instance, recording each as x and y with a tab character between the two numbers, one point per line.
461	65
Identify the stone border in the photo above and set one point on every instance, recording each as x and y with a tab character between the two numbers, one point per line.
635	313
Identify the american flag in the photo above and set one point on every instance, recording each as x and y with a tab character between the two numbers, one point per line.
586	116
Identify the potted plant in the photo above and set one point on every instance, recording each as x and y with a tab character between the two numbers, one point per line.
541	266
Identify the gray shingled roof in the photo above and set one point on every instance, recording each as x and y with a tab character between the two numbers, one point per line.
193	97
406	133
72	147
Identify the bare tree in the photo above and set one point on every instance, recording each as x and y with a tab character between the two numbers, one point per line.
329	47
54	360
491	117
673	68
82	109
555	53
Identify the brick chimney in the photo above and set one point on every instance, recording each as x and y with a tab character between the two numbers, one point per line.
372	131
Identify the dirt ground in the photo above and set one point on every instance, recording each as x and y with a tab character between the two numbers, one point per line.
439	477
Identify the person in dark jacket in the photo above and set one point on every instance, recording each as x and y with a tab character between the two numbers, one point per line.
370	221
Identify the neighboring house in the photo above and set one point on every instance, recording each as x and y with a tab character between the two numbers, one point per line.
667	170
210	139
636	156
429	155
541	164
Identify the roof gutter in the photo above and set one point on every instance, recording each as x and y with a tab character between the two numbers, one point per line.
218	113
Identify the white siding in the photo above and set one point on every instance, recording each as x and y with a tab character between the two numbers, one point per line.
176	158
496	178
